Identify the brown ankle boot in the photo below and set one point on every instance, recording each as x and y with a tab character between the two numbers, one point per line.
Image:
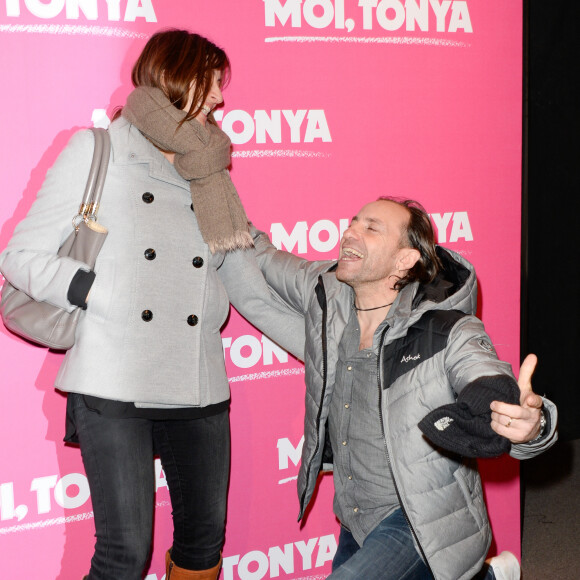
173	572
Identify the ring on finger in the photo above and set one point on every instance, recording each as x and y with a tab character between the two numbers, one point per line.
509	422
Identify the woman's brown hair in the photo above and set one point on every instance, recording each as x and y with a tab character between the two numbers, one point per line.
174	60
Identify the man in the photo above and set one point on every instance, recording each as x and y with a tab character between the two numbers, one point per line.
391	341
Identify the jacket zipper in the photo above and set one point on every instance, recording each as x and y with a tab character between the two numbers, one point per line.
387	451
321	295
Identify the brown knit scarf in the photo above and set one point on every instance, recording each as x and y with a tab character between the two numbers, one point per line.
202	155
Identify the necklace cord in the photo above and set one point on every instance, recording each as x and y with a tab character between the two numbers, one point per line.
368	309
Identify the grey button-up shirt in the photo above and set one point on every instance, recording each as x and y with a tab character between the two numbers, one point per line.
364	490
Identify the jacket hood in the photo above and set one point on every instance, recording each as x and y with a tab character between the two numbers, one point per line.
454	288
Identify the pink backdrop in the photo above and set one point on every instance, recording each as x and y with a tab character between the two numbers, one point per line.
331	104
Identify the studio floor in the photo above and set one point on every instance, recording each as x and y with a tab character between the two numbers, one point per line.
551	522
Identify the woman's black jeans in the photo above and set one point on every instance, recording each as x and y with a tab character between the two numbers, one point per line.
118	459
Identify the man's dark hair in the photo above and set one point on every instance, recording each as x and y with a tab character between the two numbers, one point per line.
419	235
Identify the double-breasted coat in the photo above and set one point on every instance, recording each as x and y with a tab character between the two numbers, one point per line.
151	331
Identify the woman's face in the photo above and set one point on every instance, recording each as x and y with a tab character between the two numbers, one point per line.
214	97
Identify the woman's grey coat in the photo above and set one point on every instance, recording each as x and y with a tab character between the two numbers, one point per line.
175	359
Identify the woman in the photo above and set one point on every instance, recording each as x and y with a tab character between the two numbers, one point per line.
146	374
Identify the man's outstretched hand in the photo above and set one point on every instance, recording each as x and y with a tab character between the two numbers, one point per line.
519	423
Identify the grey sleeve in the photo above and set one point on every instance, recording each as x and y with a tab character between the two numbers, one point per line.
30	261
259	304
470	355
292	278
533	448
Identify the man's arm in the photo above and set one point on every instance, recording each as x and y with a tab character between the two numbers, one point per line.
521	424
467	361
478	377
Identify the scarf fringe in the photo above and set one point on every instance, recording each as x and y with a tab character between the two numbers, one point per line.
239	241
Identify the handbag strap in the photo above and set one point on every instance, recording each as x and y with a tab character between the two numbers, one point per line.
97	174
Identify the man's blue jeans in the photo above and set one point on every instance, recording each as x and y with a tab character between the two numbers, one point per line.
118	459
388	553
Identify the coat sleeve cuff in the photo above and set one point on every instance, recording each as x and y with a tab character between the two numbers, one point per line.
79	288
548	438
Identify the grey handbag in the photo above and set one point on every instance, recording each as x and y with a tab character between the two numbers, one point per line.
44	323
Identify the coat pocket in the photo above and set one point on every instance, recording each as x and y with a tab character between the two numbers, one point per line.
470	484
101	293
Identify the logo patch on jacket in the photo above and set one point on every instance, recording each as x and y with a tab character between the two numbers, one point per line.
485	345
425	339
443	423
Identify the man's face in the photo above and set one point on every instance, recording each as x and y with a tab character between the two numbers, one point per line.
369	248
